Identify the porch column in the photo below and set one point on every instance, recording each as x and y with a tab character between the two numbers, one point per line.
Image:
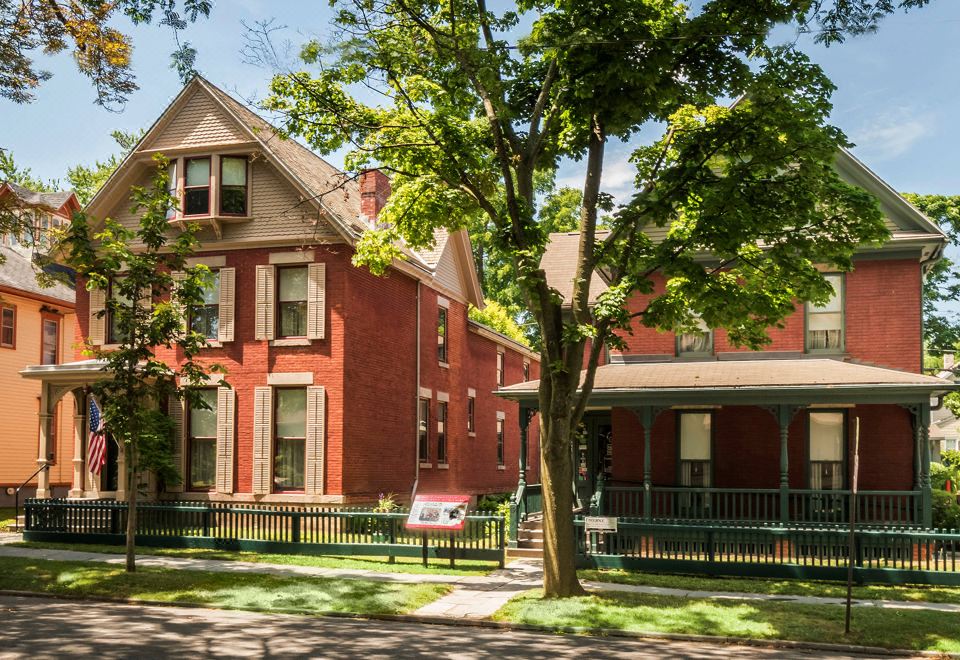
43	478
122	476
926	496
79	401
646	418
784	415
526	414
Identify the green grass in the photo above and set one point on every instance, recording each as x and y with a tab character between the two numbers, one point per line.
243	591
378	564
7	517
903	629
916	593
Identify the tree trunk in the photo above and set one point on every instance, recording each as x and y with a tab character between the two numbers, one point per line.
559	550
132	487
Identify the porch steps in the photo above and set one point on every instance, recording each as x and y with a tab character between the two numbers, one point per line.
529	541
17	525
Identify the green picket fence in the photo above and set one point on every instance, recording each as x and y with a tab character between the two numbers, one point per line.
262	528
883	555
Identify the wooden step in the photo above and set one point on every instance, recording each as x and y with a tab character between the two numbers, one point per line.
524	553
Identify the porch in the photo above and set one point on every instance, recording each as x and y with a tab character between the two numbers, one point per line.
751	442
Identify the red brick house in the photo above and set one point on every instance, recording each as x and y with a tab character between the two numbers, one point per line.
692	428
343	385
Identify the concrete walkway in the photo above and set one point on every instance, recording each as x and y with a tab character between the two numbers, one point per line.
474	596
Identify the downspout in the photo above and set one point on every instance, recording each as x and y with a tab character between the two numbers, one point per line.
416	407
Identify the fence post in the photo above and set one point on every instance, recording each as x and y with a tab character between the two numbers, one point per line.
114	519
453	549
295	527
206	521
501	541
710	549
393	539
424	549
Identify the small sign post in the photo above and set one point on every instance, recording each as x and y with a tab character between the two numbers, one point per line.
851	549
441	512
599	525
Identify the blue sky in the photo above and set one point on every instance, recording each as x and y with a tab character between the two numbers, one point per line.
897	95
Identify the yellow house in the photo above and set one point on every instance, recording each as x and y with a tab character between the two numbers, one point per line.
36	323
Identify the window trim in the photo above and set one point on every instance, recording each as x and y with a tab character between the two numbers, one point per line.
278	313
679	444
845	449
46	317
13	310
843	321
443	334
246	186
187	482
209	187
273	444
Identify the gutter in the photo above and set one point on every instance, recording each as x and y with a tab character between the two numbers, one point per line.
416	407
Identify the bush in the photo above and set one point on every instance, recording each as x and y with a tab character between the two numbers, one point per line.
491	503
939	473
946	511
951	457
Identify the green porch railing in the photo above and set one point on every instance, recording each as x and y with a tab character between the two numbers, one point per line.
526	501
737	505
879	555
261	528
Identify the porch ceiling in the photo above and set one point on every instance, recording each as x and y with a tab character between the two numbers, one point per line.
82	372
750	381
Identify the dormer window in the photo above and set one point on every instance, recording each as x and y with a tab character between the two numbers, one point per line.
196	189
233	185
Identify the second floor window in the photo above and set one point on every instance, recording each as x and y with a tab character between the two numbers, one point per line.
526	372
471	414
500	451
292	298
442	334
49	353
205	317
8	327
825	322
698	342
233	185
290	439
115	334
442	432
423	432
695	449
202	452
196	187
501	367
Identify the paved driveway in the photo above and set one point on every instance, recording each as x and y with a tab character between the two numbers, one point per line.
49	628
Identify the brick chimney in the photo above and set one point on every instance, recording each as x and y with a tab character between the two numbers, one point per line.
374	191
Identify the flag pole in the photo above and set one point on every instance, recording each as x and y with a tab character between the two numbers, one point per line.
851	549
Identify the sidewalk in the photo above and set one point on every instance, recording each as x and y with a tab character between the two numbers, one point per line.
474	596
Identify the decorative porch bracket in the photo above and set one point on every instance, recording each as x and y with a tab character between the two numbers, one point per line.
647	416
784	414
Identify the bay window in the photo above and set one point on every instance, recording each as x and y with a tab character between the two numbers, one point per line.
233	185
196	189
289	439
695	448
826	450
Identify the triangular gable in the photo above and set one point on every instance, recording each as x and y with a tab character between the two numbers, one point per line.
455	270
199	121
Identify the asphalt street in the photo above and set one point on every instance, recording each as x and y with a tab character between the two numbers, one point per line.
51	628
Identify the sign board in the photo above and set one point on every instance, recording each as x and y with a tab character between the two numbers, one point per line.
606	524
447	512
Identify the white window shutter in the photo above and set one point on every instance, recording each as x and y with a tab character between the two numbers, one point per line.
98	321
175	409
262	432
265	307
315	450
225	439
146	298
316	300
178	277
227	293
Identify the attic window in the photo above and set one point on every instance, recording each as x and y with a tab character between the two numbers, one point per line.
233	185
196	189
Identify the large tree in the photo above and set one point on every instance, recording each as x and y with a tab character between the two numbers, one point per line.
464	105
87	29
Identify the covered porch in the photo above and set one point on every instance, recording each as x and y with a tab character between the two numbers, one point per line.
753	442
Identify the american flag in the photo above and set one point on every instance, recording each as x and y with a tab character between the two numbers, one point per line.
97	447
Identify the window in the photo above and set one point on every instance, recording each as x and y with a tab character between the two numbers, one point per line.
205	318
50	336
500	367
292	296
196	188
471	414
442	334
115	335
172	184
699	342
424	431
289	439
8	327
825	323
826	450
526	371
202	450
695	450
442	432
233	185
500	422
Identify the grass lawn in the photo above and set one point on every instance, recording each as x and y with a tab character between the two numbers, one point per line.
7	517
243	591
903	629
379	564
928	593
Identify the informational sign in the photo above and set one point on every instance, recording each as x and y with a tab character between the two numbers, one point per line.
605	524
447	512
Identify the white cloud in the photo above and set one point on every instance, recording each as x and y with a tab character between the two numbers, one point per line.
892	134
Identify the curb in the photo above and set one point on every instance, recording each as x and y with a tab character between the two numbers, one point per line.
526	627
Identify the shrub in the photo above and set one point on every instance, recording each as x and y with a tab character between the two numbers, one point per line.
946	511
939	473
491	503
951	457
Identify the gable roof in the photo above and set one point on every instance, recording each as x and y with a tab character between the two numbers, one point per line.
48	201
18	273
559	264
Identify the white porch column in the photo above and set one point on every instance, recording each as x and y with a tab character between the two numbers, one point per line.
43	478
79	459
121	493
